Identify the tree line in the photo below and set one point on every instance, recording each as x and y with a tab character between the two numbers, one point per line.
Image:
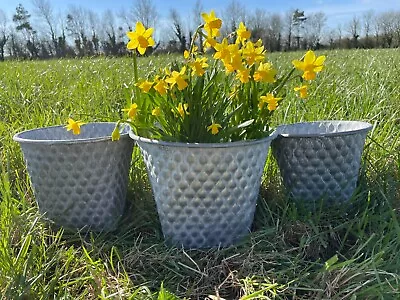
80	32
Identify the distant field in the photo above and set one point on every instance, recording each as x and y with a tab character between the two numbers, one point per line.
346	252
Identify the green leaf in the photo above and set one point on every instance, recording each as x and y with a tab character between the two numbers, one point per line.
24	249
163	294
245	124
330	262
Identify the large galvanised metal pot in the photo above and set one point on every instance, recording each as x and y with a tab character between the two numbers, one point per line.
205	194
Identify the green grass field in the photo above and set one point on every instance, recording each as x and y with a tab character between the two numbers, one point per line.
349	251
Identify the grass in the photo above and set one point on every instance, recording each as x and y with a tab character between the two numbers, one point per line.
349	251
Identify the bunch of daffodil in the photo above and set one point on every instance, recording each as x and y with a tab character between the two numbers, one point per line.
228	93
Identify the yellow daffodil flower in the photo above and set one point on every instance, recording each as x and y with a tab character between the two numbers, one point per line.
140	39
186	54
75	126
145	86
310	66
198	66
132	111
156	112
233	60
209	42
161	86
258	43
242	34
243	75
265	73
270	100
302	91
222	50
253	53
183	109
214	127
234	64
178	78
212	24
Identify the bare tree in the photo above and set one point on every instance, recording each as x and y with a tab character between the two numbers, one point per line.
275	31
387	23
288	28
339	34
112	41
77	26
354	28
267	27
330	36
367	23
258	24
3	33
197	10
127	19
397	27
178	29
197	20
44	11
145	12
377	30
94	46
313	29
233	15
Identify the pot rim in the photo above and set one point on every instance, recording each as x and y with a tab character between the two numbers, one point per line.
18	137
365	128
137	138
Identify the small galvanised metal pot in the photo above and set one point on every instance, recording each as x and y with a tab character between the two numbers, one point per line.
79	181
320	160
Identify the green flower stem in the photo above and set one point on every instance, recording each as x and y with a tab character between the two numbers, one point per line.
285	79
196	33
283	82
136	77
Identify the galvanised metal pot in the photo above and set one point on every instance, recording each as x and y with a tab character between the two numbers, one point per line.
205	193
320	160
79	181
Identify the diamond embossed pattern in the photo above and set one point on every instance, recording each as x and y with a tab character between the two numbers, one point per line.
320	160
78	184
205	197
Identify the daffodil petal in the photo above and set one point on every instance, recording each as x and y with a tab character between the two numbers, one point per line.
141	50
320	60
132	44
151	42
298	64
148	32
205	17
131	35
140	30
318	69
309	58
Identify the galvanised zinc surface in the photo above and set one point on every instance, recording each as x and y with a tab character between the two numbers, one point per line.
205	193
320	160
79	181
